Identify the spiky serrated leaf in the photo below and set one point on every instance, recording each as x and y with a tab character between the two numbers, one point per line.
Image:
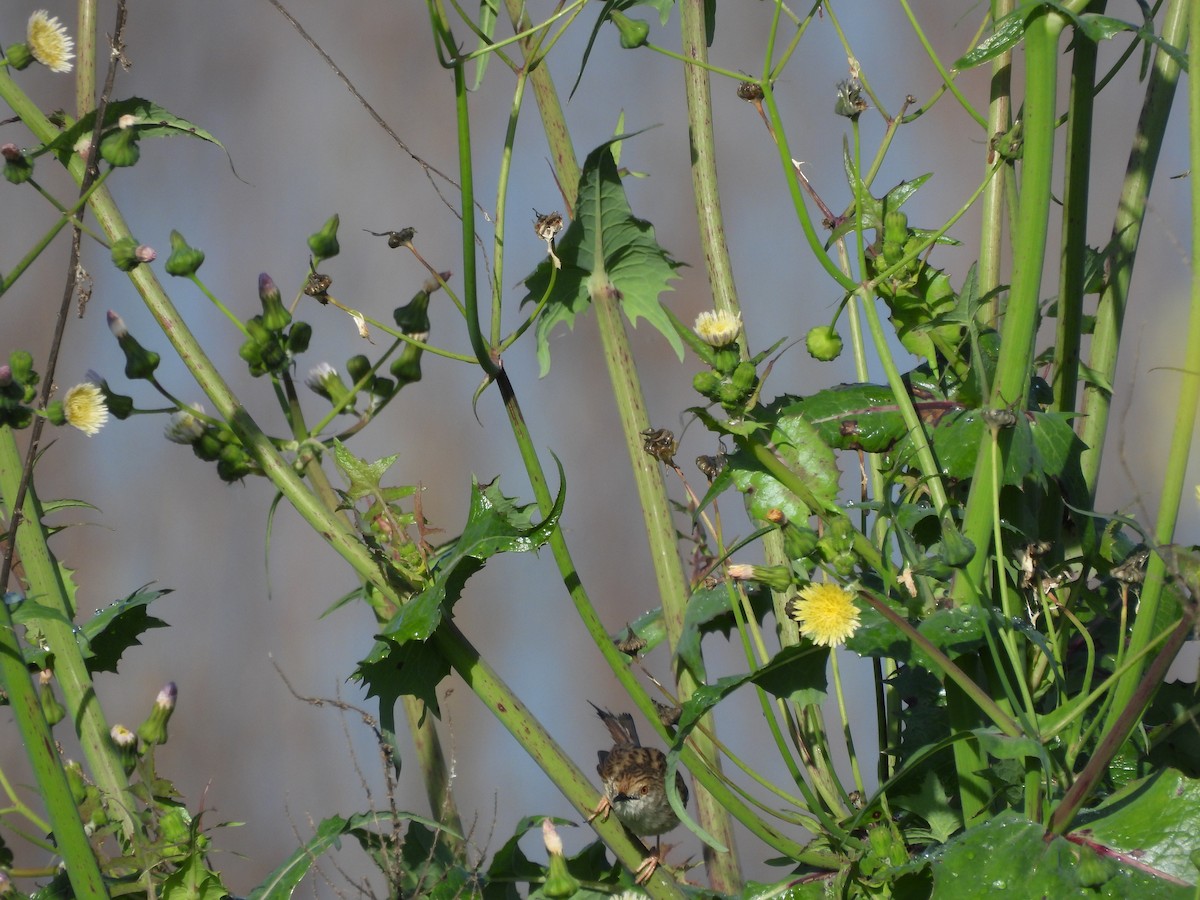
150	120
116	628
363	477
630	256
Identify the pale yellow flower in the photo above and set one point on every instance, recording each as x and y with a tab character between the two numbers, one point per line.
49	42
84	408
718	328
825	613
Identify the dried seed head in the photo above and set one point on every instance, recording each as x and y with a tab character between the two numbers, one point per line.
630	644
750	92
661	444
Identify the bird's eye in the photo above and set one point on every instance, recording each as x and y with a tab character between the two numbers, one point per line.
645	789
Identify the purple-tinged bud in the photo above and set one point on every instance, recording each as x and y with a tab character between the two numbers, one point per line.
17	168
154	729
777	578
125	255
5	375
275	316
560	883
139	362
145	253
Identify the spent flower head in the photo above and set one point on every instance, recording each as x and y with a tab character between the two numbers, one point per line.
825	613
184	427
49	42
84	408
718	328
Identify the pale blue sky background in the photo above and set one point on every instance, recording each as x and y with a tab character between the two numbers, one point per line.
241	745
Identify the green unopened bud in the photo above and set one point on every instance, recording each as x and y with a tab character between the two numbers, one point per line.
233	464
298	338
128	254
406	368
324	243
726	359
357	367
324	380
744	376
125	742
184	260
845	564
17	168
154	729
139	362
383	387
895	227
275	316
730	396
119	405
777	578
707	383
119	148
186	428
76	781
55	413
413	318
19	56
799	541
51	708
823	343
560	883
208	446
21	363
633	31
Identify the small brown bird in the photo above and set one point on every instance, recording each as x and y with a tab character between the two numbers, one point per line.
635	786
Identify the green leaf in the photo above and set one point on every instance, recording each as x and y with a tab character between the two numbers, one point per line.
630	257
362	476
933	805
488	12
116	628
1157	818
1010	856
193	880
1006	35
287	876
151	121
800	447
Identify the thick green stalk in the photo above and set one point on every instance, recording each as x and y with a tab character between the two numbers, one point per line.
1077	182
1174	482
1021	315
1126	233
85	58
992	209
45	580
1012	371
69	836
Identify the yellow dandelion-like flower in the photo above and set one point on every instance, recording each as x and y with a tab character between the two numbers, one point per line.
825	613
83	407
49	42
718	328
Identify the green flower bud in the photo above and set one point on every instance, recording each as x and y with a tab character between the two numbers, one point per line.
51	708
745	377
298	338
845	564
234	469
824	343
125	742
413	318
726	359
895	227
275	316
55	413
799	541
633	31
324	381
119	405
560	883
184	260
208	446
154	729
76	781
324	243
406	368
119	148
706	383
357	367
17	168
777	578
124	254
19	56
21	363
730	396
139	362
384	387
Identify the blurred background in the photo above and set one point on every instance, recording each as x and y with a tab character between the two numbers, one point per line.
242	746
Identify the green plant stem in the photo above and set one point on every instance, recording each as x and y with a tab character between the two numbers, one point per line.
85	58
948	79
1123	245
1021	315
69	836
45	580
1069	332
1174	482
992	208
